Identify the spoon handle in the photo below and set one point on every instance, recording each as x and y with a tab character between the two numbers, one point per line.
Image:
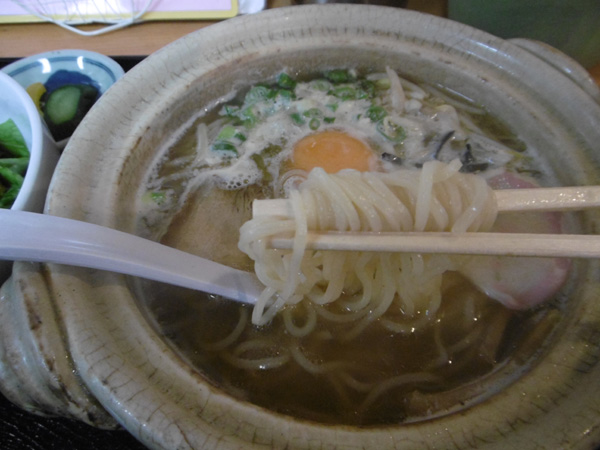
26	236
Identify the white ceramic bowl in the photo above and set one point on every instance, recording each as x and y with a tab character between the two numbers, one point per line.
101	70
15	103
92	352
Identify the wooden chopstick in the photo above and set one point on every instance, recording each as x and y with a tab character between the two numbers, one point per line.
548	199
538	199
509	244
470	243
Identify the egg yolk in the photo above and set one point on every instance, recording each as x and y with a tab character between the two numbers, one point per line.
333	151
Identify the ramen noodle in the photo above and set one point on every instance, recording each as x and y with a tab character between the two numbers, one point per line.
354	338
436	198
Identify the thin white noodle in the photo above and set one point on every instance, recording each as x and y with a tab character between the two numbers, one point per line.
231	337
397	96
436	198
314	368
256	354
256	364
310	322
395	382
465	105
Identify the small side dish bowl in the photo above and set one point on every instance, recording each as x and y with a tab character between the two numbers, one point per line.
64	84
41	152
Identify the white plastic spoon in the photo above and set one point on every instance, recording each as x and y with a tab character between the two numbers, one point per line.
26	236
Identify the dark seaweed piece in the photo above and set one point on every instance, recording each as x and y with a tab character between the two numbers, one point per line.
445	138
470	165
391	158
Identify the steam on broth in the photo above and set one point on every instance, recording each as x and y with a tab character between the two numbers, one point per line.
310	360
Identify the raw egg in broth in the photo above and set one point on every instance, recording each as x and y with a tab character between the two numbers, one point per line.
333	151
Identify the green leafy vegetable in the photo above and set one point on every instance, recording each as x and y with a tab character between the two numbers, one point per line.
14	159
11	140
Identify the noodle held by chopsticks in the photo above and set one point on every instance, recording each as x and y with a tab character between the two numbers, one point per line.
436	198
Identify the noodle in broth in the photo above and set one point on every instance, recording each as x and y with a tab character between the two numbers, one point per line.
436	198
358	338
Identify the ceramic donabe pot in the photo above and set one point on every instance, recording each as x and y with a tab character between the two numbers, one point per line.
78	342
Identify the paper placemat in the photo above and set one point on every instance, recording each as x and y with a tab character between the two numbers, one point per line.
77	12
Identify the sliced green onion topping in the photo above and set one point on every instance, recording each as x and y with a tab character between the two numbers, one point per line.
391	131
224	146
285	81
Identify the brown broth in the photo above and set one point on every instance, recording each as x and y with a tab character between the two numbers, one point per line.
453	362
470	338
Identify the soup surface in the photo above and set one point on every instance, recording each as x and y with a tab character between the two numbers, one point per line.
307	362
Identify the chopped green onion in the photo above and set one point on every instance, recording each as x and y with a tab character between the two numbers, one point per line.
313	113
257	94
366	89
329	119
297	118
376	113
240	136
320	85
338	76
314	124
224	146
391	131
227	132
285	81
158	197
344	93
383	83
286	95
230	111
248	117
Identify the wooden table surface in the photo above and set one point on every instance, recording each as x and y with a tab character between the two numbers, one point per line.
18	40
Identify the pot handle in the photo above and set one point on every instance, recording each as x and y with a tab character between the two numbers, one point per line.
565	64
